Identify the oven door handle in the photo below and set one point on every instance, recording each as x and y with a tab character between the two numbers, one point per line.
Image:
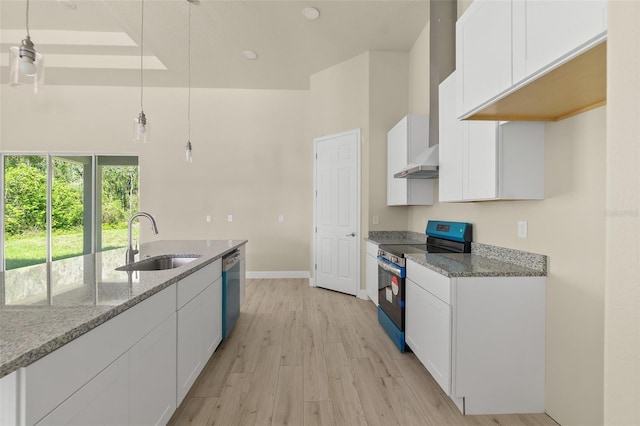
396	270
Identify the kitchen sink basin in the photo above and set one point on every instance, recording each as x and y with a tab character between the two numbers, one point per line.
159	263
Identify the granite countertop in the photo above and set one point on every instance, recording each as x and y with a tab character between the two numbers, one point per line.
472	265
396	237
45	306
483	261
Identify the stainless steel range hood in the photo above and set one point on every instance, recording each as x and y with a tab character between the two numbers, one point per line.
442	31
425	166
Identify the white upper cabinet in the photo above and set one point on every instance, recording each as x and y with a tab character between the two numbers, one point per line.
450	143
483	52
546	31
405	141
502	46
488	160
480	160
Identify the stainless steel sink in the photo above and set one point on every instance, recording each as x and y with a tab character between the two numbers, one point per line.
159	263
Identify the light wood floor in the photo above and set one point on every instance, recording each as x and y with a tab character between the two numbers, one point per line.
301	355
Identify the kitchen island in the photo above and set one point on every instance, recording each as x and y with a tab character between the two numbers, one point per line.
83	306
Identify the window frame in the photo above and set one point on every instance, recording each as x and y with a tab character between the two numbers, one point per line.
129	159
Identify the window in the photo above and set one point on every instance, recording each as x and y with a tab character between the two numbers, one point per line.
61	206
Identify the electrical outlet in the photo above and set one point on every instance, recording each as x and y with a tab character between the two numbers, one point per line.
229	218
208	218
376	220
281	218
522	229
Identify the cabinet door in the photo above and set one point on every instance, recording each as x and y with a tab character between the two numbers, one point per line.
397	153
483	53
547	31
104	400
413	320
372	278
480	160
211	305
190	346
153	376
428	332
450	142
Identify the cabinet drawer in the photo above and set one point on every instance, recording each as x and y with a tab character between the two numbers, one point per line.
434	283
52	379
192	285
372	249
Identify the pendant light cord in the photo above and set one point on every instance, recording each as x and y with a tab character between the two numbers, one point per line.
27	13
189	71
141	54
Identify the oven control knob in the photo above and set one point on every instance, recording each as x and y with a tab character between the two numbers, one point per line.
380	253
394	259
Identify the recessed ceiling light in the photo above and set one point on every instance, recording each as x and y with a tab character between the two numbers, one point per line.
311	13
250	55
69	4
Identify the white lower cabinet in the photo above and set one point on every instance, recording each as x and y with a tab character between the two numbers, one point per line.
372	271
428	332
104	400
199	334
481	338
212	318
133	369
153	376
190	346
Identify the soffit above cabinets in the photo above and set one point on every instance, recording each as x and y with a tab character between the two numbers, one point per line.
572	88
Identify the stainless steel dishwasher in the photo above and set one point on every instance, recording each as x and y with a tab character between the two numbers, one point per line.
230	291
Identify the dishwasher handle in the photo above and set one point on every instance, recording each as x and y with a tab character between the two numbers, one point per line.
230	260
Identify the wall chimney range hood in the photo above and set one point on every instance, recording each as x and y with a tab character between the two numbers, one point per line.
425	166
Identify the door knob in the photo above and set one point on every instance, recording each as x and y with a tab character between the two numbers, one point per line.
353	234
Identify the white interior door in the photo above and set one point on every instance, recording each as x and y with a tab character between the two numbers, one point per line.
337	202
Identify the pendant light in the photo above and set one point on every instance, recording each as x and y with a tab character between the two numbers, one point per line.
188	149
141	131
26	66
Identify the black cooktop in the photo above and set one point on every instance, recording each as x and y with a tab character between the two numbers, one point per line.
402	249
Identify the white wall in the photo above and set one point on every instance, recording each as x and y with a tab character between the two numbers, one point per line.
622	297
252	158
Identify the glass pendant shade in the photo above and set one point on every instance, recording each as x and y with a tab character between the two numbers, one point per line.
141	129
188	151
26	66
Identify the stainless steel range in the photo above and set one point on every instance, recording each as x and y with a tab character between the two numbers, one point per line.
442	237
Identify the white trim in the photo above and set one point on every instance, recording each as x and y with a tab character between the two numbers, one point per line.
358	133
277	274
362	294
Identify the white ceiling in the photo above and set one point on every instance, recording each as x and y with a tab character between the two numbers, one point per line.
97	43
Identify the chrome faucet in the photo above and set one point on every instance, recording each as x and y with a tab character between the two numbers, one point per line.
131	251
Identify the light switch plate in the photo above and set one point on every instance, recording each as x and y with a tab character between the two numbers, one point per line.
522	229
281	218
376	220
230	218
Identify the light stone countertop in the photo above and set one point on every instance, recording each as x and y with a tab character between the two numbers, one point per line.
45	306
483	261
397	237
472	265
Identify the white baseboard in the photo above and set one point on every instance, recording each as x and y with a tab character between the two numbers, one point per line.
277	274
